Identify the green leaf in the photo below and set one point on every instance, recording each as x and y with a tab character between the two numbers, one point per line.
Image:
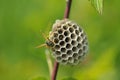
98	4
39	78
69	78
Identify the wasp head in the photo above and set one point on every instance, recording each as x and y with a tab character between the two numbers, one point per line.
49	43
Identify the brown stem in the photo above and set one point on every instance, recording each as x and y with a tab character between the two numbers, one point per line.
54	74
66	15
67	10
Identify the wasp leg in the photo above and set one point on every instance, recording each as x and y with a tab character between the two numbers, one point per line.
42	45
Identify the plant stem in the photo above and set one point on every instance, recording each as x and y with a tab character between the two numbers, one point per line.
66	15
55	70
67	10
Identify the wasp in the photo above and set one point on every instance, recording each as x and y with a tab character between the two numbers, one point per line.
48	43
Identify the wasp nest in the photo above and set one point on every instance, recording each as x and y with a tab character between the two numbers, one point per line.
70	42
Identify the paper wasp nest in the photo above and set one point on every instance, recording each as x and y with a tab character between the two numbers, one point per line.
70	42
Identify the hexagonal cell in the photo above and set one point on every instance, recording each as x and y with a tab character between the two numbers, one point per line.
75	26
75	55
73	36
83	41
77	32
84	48
61	37
79	45
57	53
74	49
58	58
78	38
85	37
63	50
55	34
68	46
70	60
86	43
76	61
73	42
66	33
82	35
71	29
65	27
60	31
69	52
80	29
79	57
57	47
84	53
64	61
64	56
80	51
81	54
69	24
56	40
62	43
67	39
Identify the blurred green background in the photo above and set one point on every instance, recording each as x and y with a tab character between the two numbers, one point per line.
21	22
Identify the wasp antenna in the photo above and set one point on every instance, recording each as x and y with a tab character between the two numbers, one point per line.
39	46
44	36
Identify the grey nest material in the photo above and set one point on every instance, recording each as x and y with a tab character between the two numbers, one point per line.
70	42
